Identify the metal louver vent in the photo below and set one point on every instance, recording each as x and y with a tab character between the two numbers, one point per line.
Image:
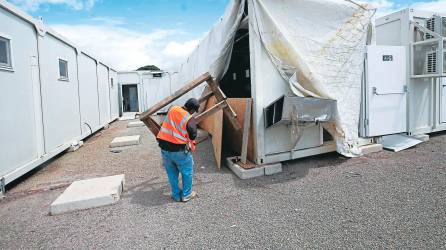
431	65
443	24
430	25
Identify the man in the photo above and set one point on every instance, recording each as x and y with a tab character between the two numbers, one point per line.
176	140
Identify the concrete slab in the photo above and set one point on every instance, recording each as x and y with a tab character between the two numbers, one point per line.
90	193
423	137
242	173
372	148
272	169
125	141
128	116
135	124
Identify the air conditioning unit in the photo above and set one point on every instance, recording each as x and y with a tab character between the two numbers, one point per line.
436	24
431	62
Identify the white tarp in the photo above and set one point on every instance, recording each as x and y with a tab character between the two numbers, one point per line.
317	45
214	51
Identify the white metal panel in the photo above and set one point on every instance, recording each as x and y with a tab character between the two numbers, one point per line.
60	99
20	133
420	105
128	78
104	95
114	95
268	86
443	101
386	83
88	94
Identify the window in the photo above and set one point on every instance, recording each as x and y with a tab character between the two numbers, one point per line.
5	53
111	82
63	70
157	75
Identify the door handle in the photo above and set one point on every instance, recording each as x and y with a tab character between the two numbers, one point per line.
375	92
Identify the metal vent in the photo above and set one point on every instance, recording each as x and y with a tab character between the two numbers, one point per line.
431	62
430	25
443	24
302	109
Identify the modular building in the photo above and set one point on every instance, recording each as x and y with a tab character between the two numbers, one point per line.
53	93
317	80
423	37
139	90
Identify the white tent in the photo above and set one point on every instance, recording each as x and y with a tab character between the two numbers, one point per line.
302	48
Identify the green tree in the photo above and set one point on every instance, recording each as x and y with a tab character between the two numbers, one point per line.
149	67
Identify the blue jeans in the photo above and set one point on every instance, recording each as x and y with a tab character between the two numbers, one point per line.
176	163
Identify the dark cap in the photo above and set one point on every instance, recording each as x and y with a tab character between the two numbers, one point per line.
192	104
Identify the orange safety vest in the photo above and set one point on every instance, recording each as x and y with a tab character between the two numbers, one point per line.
174	126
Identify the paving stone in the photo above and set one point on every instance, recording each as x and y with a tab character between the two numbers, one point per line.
135	124
128	116
125	141
90	193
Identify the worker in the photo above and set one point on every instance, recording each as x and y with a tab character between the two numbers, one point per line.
176	140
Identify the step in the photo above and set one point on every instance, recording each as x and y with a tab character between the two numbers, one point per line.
135	124
89	193
125	141
261	170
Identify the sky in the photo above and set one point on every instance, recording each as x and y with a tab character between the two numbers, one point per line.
133	33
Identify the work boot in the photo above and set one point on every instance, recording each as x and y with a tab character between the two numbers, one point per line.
190	197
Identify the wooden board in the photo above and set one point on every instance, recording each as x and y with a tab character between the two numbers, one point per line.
234	137
214	126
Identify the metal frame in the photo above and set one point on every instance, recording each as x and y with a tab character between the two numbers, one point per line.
440	51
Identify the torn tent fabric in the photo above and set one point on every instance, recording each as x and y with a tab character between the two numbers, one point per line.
317	46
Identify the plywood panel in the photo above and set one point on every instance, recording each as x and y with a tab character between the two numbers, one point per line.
214	126
233	137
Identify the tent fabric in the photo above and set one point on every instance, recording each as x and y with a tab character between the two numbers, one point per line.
213	54
317	46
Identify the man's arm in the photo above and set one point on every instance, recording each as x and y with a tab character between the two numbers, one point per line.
191	128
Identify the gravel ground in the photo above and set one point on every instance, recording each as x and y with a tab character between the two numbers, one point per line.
383	200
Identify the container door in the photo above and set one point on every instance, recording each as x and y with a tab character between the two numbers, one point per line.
133	93
386	90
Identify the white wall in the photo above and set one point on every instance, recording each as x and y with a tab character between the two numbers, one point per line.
267	86
60	99
114	95
88	93
19	131
104	94
41	114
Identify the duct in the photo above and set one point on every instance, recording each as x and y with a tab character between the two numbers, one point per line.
291	109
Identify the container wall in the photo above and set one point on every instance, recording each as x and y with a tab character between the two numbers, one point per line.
104	94
268	86
88	94
19	133
60	97
114	95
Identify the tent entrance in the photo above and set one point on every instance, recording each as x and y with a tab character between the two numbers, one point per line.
236	83
130	98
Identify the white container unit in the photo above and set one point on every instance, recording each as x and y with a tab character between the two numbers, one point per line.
88	93
140	90
425	63
53	94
